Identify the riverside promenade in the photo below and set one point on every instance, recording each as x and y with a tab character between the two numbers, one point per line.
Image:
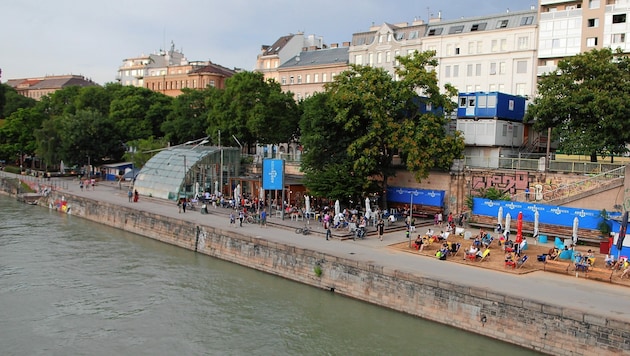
597	298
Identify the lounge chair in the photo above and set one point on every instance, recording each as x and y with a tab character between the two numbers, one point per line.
521	261
485	254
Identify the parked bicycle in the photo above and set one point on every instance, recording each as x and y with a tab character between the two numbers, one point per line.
253	219
303	230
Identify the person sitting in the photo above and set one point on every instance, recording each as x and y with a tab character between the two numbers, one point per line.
509	257
442	236
477	242
392	218
419	243
430	232
486	241
553	254
442	252
509	246
609	260
472	251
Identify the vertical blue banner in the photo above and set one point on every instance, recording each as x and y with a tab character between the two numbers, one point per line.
273	174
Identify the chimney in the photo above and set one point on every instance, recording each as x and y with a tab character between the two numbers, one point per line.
312	48
346	44
334	45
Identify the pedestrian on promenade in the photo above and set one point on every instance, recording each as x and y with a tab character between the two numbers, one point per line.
179	206
129	195
135	196
184	203
263	218
232	220
380	227
327	228
81	184
241	216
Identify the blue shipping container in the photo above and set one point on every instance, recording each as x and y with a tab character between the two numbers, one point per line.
493	105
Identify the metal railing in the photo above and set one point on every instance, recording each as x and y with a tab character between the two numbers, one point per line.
526	164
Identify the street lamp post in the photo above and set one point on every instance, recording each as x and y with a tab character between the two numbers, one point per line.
411	194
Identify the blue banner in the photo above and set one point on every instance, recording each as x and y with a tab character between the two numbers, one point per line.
548	214
415	196
273	174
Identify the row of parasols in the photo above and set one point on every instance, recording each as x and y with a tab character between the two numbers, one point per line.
519	225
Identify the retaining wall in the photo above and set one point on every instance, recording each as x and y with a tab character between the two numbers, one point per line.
543	327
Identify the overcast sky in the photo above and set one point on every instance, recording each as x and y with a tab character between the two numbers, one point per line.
92	37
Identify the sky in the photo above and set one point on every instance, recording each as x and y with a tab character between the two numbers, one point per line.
93	37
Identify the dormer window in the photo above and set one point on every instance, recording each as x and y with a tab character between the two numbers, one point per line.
502	24
478	27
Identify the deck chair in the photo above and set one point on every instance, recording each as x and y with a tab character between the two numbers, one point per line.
511	262
485	254
454	248
521	261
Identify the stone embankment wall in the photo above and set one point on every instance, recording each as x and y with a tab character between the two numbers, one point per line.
543	327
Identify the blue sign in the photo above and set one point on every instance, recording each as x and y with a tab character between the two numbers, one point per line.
273	174
415	196
547	214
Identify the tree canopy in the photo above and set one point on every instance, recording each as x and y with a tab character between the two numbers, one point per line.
374	117
585	102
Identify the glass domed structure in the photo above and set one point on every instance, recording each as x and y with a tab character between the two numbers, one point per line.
185	172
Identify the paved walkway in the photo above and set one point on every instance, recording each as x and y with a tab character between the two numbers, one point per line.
589	296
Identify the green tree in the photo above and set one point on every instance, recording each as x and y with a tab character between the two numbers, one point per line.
188	117
585	102
17	133
327	166
139	112
13	101
383	117
253	110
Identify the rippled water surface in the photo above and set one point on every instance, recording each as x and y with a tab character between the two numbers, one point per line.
71	287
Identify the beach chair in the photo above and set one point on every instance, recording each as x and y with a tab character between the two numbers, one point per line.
485	255
521	261
454	248
510	262
559	244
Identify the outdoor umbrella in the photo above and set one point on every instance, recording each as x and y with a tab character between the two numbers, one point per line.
536	219
368	208
622	233
519	228
508	219
500	219
216	187
576	223
337	208
307	202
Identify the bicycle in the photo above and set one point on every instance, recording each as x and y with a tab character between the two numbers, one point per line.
303	230
252	219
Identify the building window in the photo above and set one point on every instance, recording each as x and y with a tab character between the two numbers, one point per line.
388	56
413	35
620	18
471	47
479	46
494	47
521	67
379	57
502	24
527	20
469	70
523	42
520	89
592	23
555	43
503	45
283	80
493	68
619	38
456	50
492	87
593	4
212	83
478	69
434	32
291	80
358	59
371	59
502	68
316	78
456	71
455	29
478	27
447	71
324	77
299	79
591	42
308	78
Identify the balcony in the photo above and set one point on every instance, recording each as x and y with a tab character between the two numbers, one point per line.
546	69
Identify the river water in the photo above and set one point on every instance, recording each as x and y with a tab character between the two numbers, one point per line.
72	287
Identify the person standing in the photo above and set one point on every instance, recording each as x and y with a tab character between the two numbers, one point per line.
129	195
241	216
263	218
327	227
380	227
184	203
232	221
179	206
135	196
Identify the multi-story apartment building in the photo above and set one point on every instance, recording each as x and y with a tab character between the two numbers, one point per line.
283	49
308	71
36	88
168	72
571	27
134	70
194	75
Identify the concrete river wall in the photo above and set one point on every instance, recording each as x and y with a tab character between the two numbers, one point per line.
547	328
